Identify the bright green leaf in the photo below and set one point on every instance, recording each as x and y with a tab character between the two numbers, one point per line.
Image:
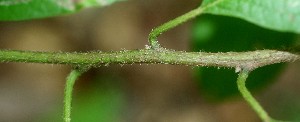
91	3
13	10
281	15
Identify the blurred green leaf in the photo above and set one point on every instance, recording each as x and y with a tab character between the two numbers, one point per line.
221	34
99	100
102	102
12	10
281	15
287	108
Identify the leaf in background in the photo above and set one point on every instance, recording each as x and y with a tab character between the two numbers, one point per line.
102	101
221	34
281	15
13	10
287	108
99	100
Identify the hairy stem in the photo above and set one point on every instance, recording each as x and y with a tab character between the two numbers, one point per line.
241	82
68	93
169	25
249	60
175	22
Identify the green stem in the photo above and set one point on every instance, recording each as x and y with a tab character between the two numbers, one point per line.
175	22
169	25
241	82
250	60
68	93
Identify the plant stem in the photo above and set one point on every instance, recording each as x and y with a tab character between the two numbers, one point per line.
175	22
241	82
169	25
74	74
249	60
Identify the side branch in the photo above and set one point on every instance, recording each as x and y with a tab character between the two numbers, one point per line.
240	60
241	83
73	76
169	25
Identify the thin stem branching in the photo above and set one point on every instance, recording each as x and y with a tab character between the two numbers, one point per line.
169	25
72	77
241	83
243	62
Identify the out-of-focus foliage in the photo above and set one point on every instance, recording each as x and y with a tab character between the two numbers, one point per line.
101	101
12	10
281	15
221	34
287	107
